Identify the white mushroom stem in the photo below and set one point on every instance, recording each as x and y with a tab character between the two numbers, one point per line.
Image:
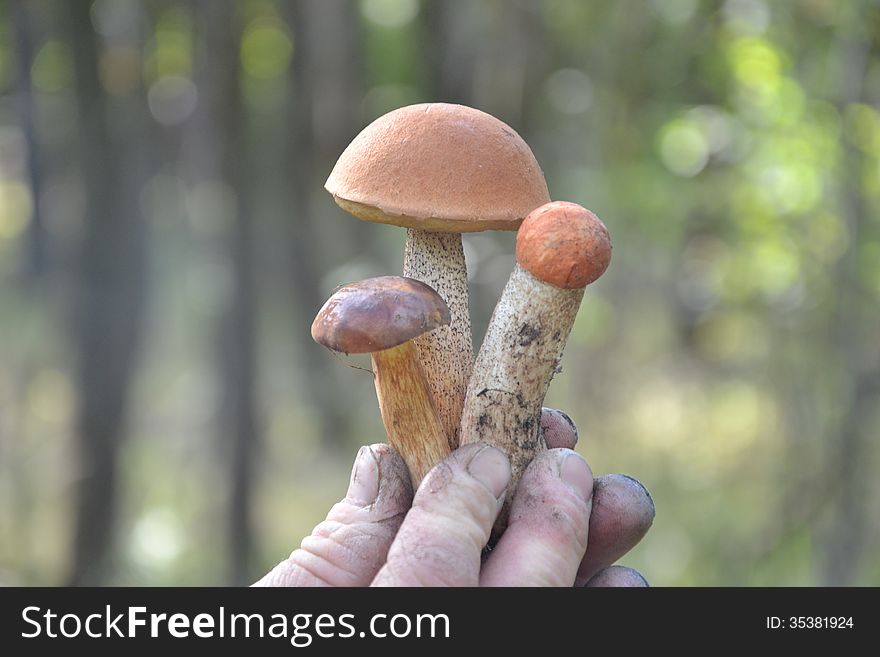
446	353
520	353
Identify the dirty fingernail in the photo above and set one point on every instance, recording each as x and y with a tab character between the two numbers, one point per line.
558	429
363	488
491	468
566	418
576	473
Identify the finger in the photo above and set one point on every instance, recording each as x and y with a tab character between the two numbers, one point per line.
443	535
350	546
547	533
619	577
558	429
623	511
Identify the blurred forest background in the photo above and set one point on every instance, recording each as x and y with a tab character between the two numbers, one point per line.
165	242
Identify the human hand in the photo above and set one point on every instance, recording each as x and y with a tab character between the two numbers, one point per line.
565	527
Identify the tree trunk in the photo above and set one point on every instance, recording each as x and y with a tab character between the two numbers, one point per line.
860	381
110	296
219	154
35	260
322	110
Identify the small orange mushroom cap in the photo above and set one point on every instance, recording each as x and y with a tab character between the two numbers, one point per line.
563	244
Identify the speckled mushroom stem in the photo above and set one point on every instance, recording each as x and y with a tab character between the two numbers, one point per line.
520	353
561	248
446	353
408	413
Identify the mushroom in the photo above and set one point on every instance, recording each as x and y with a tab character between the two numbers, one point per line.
440	170
381	316
561	247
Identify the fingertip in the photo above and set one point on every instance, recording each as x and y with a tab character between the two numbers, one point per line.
547	533
441	474
363	485
558	429
491	467
618	577
622	513
576	472
626	498
394	482
650	508
441	540
349	547
558	465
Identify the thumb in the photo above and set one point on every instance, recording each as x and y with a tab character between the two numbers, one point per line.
350	546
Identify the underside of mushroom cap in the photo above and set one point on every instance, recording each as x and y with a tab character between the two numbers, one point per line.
377	314
441	167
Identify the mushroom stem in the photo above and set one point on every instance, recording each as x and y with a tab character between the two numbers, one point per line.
520	353
561	247
446	353
381	316
407	409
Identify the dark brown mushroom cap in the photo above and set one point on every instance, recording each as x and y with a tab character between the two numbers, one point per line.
378	313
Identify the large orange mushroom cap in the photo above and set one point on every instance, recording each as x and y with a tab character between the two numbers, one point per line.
439	167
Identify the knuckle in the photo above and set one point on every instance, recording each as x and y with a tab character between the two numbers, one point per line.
426	564
343	554
561	517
